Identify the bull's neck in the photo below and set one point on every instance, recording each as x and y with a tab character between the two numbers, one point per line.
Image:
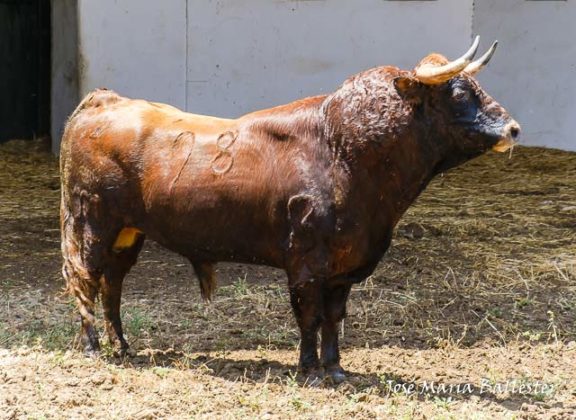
396	168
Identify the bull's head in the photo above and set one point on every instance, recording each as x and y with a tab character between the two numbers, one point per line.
455	104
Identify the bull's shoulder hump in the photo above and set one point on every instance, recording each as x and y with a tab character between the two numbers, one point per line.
300	105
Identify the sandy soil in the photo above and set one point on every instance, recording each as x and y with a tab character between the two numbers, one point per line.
472	313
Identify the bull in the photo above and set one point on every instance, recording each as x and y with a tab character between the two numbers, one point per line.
314	187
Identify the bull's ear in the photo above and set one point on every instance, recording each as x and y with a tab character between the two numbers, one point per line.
409	89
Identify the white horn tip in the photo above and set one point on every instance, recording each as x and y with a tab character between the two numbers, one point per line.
472	51
476	40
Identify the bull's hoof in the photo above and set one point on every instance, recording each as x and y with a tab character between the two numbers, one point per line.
92	353
91	347
120	347
311	377
335	374
90	341
123	352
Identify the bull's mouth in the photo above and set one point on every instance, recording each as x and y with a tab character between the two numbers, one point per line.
508	136
503	145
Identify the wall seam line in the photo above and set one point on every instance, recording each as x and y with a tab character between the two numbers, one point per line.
186	59
473	14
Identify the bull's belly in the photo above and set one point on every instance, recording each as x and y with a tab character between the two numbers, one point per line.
205	239
343	259
232	231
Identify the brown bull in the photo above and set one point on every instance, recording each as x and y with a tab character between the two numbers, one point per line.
314	187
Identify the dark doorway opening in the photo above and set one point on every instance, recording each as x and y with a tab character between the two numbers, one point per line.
25	69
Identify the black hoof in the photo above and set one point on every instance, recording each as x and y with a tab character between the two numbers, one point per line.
122	352
90	341
91	347
336	374
312	377
90	352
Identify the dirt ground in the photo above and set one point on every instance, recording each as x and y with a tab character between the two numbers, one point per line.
471	314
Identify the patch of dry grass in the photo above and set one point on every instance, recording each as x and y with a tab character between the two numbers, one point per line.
480	284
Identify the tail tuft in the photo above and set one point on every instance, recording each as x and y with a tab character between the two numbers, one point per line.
206	279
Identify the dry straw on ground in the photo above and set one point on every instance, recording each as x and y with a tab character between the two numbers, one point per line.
480	284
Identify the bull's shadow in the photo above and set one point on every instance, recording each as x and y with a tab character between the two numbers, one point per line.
380	384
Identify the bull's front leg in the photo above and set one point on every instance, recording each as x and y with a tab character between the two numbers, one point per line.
335	298
307	304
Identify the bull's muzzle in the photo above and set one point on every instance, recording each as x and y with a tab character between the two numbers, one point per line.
510	134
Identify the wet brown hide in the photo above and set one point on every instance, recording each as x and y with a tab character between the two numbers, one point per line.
314	187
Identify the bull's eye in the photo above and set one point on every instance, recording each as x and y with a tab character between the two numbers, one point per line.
463	104
461	96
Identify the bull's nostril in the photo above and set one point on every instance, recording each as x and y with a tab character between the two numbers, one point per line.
514	132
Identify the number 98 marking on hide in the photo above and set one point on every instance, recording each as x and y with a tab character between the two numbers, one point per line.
223	161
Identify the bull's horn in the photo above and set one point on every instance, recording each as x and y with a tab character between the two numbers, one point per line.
475	66
433	75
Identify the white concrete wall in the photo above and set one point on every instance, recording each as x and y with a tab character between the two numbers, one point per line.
534	72
245	55
229	57
136	47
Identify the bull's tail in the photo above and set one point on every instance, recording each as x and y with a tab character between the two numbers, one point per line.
80	282
81	252
78	249
206	278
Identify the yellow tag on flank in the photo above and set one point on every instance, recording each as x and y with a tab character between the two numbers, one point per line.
126	238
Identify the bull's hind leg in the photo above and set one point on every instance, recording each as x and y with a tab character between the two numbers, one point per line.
84	287
117	265
92	261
